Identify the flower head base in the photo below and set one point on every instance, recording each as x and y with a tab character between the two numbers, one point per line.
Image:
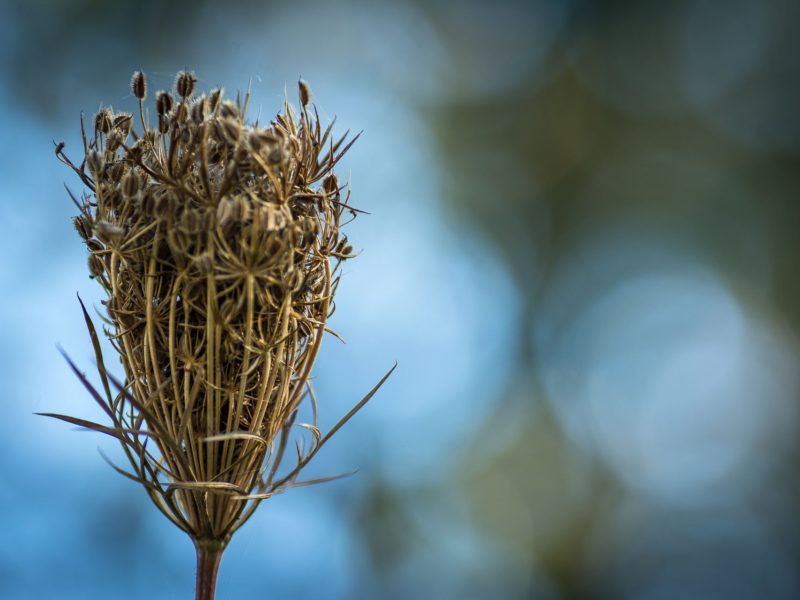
217	243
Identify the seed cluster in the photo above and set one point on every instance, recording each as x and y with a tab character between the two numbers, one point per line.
218	244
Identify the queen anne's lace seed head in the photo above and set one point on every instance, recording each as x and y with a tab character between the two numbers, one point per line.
217	243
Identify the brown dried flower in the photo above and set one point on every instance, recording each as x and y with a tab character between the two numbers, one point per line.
218	245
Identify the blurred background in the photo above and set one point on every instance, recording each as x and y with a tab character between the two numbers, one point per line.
582	250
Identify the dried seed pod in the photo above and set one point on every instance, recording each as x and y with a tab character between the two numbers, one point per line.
276	155
240	209
123	122
225	212
108	232
203	264
184	83
228	110
214	98
136	152
282	125
310	226
191	221
94	160
83	227
330	184
199	109
164	205
130	184
113	142
139	85
96	266
260	139
115	172
148	204
94	245
305	92
240	155
180	244
316	282
230	130
163	103
112	198
103	121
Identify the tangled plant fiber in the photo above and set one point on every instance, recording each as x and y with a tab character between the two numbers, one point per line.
218	244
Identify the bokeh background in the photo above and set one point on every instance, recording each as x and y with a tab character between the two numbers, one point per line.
583	251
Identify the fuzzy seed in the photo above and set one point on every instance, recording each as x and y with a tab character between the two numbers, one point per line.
94	161
260	139
108	232
96	266
330	184
198	111
163	103
305	92
276	155
228	110
240	209
184	83
230	130
191	221
103	121
123	123
114	141
83	227
148	205
224	212
130	184
116	171
214	98
139	85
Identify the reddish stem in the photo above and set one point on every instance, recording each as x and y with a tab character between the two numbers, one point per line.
209	555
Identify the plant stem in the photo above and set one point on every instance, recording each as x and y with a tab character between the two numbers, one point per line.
209	555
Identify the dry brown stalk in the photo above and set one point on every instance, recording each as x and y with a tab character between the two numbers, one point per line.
218	244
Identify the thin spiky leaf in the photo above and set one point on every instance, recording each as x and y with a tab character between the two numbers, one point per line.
98	352
87	384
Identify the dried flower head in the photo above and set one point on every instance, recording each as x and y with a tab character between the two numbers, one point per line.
218	244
